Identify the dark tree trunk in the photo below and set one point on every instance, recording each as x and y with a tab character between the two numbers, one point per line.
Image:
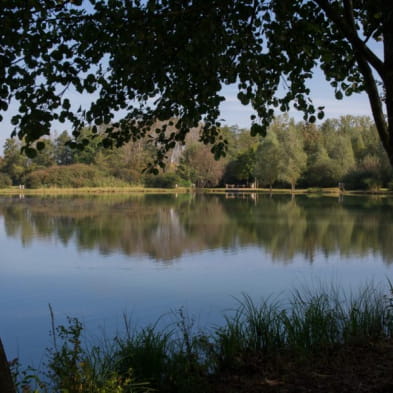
6	382
367	61
388	73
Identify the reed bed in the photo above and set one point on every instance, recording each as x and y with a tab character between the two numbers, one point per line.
256	337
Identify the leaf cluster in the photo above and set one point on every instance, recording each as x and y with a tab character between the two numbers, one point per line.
153	61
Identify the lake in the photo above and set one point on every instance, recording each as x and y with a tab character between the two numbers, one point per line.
99	258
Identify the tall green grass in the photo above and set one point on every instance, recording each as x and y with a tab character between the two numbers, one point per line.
179	358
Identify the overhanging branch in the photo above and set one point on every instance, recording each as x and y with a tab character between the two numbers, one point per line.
347	27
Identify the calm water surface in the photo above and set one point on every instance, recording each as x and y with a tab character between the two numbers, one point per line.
98	258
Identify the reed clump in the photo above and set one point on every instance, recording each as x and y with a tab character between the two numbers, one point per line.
261	346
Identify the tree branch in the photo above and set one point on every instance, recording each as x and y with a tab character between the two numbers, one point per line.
348	29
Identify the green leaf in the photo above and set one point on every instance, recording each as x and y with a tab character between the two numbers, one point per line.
40	145
30	152
66	104
107	142
15	120
257	129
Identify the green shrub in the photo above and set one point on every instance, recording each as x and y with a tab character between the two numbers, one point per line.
162	180
362	180
5	181
128	175
73	176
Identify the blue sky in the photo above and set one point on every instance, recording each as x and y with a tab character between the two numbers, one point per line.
322	94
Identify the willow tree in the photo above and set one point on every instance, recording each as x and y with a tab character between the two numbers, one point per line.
169	59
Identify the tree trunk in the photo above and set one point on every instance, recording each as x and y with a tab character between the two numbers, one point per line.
367	60
388	77
6	382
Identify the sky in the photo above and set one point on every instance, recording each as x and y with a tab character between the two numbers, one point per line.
322	94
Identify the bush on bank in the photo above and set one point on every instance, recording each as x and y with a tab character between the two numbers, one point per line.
73	176
5	181
162	180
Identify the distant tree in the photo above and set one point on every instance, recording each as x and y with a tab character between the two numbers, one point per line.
293	158
45	156
268	160
198	166
64	155
312	138
5	180
322	171
242	168
340	150
90	145
14	164
137	154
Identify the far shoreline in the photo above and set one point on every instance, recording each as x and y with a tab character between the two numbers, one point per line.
312	191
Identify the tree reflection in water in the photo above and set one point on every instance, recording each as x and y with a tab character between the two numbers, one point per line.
165	227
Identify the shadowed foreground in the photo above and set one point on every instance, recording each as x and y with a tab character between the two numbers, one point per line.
353	368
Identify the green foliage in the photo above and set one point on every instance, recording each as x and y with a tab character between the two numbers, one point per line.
75	176
45	154
147	353
370	174
254	45
162	180
241	169
179	359
323	170
339	150
88	145
5	180
72	368
130	176
199	166
268	160
14	164
64	155
293	157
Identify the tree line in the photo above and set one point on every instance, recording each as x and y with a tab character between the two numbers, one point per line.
292	154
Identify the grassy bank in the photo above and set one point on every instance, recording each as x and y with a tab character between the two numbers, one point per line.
90	190
331	191
315	342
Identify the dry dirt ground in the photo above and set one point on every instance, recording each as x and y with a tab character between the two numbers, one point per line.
355	368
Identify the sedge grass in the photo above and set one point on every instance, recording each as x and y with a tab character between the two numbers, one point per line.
177	358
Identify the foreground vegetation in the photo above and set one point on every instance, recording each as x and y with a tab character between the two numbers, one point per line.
322	341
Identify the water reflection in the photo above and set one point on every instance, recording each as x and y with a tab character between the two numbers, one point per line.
164	227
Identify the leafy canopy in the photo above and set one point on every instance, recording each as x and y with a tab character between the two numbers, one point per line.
151	61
